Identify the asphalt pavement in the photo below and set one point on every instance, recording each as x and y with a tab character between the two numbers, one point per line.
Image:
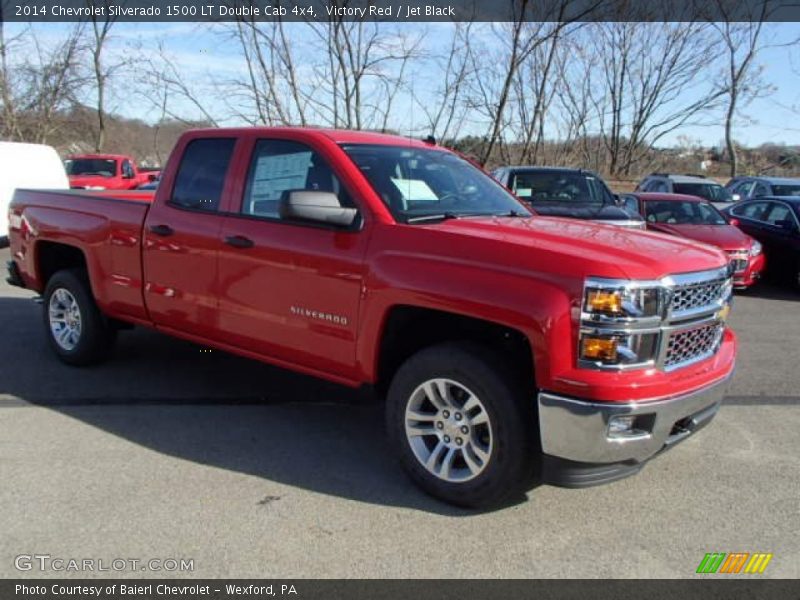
168	451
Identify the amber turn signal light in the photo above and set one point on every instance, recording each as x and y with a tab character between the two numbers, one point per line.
604	349
604	301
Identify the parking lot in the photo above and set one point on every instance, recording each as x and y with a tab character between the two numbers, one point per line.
170	451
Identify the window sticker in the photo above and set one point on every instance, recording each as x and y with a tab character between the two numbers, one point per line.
414	190
275	174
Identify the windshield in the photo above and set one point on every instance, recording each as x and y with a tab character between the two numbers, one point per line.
91	166
418	182
786	190
710	191
556	187
683	213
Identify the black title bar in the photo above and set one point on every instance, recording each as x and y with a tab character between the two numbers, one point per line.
401	11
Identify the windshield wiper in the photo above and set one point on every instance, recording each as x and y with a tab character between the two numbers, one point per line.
513	213
445	216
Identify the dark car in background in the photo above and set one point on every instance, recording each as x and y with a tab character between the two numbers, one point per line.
564	192
747	188
775	222
692	185
696	219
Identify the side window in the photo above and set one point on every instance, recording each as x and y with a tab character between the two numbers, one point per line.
743	189
630	203
127	169
778	212
761	190
498	175
280	166
752	210
201	174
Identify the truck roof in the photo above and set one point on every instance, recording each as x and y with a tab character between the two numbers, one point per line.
664	197
101	155
339	136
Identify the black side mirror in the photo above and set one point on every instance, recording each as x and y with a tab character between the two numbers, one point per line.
318	207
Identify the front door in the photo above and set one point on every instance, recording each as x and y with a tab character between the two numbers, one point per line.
291	290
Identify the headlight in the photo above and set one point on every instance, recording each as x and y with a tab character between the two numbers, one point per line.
756	248
619	323
611	298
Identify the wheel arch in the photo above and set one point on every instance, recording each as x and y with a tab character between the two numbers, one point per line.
407	329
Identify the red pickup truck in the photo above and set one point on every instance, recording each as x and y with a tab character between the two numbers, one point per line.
509	347
106	172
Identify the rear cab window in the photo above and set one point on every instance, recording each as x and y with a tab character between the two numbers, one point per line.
201	174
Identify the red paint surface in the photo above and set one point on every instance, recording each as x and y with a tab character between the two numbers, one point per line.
524	274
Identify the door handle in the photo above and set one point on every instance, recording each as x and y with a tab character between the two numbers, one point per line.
162	230
239	241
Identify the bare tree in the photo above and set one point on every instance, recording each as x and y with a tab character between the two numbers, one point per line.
102	70
164	84
640	84
535	87
362	72
741	81
38	80
516	44
445	108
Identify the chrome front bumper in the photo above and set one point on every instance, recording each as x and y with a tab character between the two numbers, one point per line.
577	430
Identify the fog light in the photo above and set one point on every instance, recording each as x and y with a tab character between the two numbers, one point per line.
621	425
624	426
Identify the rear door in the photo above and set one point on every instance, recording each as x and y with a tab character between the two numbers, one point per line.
750	216
182	238
291	290
781	243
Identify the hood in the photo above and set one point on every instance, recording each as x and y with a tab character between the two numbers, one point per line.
726	237
570	247
87	180
602	212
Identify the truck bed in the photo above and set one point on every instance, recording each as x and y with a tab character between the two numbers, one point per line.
89	221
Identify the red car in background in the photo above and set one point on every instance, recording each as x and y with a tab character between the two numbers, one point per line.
697	219
106	172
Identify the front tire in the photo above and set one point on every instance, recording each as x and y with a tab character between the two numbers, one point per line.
76	330
462	425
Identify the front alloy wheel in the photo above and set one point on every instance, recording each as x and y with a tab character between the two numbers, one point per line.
449	430
462	424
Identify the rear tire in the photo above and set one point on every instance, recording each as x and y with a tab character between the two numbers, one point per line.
76	330
462	425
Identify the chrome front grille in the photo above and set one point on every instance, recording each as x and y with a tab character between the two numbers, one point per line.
690	345
697	295
682	324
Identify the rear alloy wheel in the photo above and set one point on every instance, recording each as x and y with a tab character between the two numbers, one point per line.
462	425
65	319
76	329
